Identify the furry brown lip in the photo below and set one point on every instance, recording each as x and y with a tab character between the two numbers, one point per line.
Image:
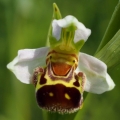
58	98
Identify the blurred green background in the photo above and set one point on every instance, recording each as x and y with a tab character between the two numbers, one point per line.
24	24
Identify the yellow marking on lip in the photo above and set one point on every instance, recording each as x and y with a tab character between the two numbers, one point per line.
51	94
67	96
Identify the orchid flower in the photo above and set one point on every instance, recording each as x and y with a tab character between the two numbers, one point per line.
60	73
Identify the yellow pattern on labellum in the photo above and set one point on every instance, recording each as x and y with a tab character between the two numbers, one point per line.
67	96
51	94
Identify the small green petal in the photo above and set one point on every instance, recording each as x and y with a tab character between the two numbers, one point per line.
56	12
56	15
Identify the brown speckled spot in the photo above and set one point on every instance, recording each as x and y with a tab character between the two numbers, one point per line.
58	102
34	78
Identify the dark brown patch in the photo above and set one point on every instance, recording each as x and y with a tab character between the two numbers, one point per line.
58	100
76	83
43	80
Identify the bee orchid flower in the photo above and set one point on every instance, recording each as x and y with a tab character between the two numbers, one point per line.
60	72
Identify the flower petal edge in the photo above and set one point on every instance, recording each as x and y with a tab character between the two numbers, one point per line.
97	79
26	61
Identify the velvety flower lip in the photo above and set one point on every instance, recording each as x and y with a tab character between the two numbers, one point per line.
81	32
97	78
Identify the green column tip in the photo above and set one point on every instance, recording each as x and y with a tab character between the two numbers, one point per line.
56	12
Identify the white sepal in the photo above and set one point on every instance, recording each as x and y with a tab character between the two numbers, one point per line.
81	33
97	78
26	61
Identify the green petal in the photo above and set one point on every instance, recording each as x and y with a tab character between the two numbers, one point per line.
56	15
56	12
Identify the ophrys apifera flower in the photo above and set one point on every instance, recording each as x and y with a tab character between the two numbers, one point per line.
60	73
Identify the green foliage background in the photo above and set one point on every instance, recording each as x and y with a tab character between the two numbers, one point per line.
24	24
